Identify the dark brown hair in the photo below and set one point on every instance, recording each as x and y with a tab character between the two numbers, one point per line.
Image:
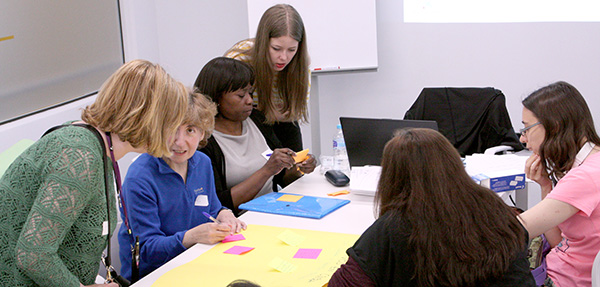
568	122
461	232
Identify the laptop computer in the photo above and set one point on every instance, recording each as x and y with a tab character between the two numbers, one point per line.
365	139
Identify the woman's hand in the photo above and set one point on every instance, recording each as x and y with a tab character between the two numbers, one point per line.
536	172
226	216
308	165
207	233
280	159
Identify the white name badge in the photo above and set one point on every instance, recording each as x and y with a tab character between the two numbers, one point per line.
267	154
104	228
201	200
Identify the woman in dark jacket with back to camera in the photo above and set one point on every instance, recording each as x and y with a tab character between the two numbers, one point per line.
436	226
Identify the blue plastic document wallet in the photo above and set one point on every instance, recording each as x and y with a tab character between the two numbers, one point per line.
294	204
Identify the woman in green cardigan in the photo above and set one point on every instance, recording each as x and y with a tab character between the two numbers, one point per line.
54	217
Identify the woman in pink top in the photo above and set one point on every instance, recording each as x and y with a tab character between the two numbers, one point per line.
560	131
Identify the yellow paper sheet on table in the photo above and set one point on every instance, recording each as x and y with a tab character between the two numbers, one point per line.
215	268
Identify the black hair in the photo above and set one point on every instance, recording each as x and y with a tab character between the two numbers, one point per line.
222	75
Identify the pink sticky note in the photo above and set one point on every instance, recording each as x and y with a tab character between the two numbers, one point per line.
307	253
235	237
238	250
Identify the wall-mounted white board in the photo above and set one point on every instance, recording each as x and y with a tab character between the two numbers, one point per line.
341	35
52	51
500	11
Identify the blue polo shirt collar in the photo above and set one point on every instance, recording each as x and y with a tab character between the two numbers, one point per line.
164	168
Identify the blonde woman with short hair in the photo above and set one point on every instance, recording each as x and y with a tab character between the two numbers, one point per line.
167	197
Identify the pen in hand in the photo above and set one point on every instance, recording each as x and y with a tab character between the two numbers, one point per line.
216	221
210	217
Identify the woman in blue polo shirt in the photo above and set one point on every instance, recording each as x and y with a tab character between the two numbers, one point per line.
166	198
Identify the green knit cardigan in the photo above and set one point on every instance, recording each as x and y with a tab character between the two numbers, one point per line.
53	211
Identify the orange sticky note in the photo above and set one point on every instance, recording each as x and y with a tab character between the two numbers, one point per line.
345	191
289	198
301	156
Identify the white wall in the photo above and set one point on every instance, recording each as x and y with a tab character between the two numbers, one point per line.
166	31
515	58
33	127
158	31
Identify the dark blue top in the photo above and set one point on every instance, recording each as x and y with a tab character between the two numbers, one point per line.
161	208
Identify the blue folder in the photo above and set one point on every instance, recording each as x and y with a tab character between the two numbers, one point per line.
307	206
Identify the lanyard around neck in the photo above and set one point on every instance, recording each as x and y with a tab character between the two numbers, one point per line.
118	181
583	153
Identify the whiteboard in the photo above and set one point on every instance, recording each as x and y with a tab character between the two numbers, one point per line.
341	34
53	51
500	11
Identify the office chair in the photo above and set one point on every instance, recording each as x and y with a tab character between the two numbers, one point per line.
472	119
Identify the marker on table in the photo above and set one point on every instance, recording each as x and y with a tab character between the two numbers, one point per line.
327	68
210	217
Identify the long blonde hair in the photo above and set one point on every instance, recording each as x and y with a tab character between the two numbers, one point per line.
292	84
142	104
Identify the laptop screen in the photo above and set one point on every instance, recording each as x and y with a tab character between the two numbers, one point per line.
365	138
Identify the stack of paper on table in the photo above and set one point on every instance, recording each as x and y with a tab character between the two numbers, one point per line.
364	179
500	173
501	181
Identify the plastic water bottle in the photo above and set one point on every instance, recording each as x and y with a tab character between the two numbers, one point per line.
340	156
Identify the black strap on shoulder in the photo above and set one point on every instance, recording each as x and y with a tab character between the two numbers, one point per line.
106	178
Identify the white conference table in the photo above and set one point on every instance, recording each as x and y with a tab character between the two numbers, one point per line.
352	218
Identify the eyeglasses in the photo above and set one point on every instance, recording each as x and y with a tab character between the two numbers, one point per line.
524	130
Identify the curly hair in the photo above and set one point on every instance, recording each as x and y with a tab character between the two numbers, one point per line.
201	114
568	122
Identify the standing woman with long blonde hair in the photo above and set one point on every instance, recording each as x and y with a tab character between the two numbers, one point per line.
279	56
